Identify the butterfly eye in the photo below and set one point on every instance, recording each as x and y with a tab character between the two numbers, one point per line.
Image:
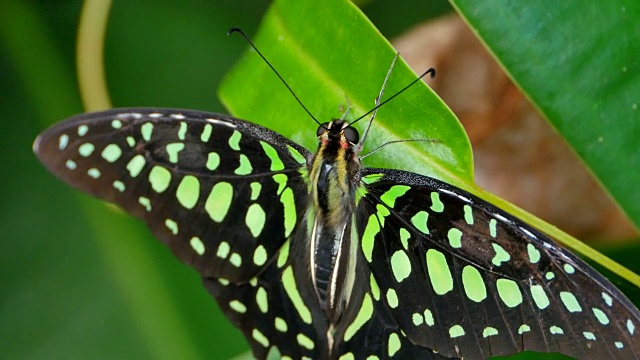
322	129
351	134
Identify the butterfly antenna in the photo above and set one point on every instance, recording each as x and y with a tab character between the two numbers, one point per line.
431	71
246	37
377	105
346	112
397	141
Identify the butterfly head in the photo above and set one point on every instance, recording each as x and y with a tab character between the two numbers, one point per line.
338	131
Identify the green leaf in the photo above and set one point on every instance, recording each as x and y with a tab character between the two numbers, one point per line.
579	63
330	55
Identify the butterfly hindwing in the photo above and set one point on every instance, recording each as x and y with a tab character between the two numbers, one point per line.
218	190
465	279
275	310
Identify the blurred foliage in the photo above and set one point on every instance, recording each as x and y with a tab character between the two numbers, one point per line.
70	291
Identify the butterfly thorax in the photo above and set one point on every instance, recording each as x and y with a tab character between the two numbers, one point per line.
332	252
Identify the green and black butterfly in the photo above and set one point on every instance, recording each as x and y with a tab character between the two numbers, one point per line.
313	256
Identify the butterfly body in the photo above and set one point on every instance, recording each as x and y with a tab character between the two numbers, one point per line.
313	256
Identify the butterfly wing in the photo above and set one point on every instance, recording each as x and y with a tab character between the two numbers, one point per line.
465	279
224	194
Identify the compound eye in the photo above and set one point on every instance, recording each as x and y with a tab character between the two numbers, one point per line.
351	134
322	129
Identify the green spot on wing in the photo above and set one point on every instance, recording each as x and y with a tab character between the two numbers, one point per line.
159	178
439	272
428	317
280	324
188	191
419	220
539	296
534	254
172	150
111	153
262	300
206	133
94	173
492	227
404	238
213	161
86	149
555	330
468	215
601	316
146	202
223	250
375	289
509	292
523	329
296	155
276	162
63	141
489	331
368	237
245	167
171	225
260	255
371	178
305	342
235	260
238	306
436	203
182	131
456	331
400	265
290	287
219	201
281	180
570	302
392	298
197	245
390	196
455	238
568	268
146	129
256	187
259	337
234	140
119	185
417	319
284	254
501	255
135	165
290	216
394	344
255	219
473	284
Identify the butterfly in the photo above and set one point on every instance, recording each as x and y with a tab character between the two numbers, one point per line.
312	255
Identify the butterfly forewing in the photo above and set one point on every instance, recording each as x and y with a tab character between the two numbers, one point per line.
466	279
219	191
